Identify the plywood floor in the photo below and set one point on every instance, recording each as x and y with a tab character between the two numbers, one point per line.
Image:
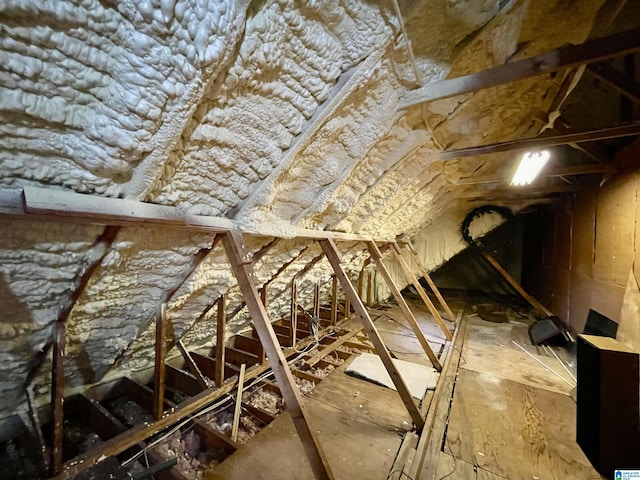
510	417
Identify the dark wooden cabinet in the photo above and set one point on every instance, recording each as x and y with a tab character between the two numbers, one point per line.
608	403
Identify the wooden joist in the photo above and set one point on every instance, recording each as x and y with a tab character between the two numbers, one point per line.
572	55
408	314
544	142
220	350
330	250
234	244
423	295
160	356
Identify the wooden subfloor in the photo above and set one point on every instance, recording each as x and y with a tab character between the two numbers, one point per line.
510	417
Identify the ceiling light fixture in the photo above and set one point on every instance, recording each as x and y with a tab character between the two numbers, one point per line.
530	166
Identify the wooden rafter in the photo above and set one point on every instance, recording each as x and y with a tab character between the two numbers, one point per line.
413	323
544	142
423	295
233	244
333	255
563	57
430	282
590	149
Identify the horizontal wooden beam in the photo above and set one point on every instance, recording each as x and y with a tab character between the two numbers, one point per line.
544	142
590	169
563	57
516	192
66	206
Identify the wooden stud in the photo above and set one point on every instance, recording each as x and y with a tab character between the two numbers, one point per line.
589	169
238	407
220	360
233	243
332	253
427	277
413	323
316	301
57	397
161	353
563	57
617	80
541	309
334	300
370	289
347	306
192	365
361	281
423	295
264	296
293	326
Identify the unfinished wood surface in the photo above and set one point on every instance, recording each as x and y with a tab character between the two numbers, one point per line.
538	440
264	296
616	79
423	295
454	468
323	352
518	288
489	348
334	300
406	311
234	244
193	368
358	448
57	397
236	412
330	250
571	55
427	277
293	315
220	350
159	370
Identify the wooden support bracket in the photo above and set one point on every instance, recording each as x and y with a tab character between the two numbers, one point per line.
331	251
423	295
233	244
413	323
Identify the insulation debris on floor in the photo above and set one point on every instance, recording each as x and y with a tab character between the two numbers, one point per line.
419	378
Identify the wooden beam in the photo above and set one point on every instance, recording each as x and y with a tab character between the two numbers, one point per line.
615	79
233	244
592	150
370	301
57	397
413	323
159	370
238	406
193	368
589	169
316	300
293	326
331	251
544	311
427	277
220	329
563	57
423	295
330	348
334	300
544	142
516	192
264	296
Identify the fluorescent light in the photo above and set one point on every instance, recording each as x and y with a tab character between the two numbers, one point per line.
530	166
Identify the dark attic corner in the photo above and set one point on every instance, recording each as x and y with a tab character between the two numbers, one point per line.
342	239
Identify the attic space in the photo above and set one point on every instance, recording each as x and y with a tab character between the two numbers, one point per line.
320	239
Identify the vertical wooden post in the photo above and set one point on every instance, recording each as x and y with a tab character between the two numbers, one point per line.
192	365
293	326
331	251
334	300
316	301
234	246
236	412
361	282
222	323
159	372
347	305
377	258
57	396
423	295
370	289
264	296
432	285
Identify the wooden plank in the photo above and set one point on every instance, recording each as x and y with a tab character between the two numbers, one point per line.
220	329
334	300
408	443
259	413
588	169
264	296
233	244
179	380
236	412
516	193
316	301
208	366
408	314
293	327
331	251
615	79
423	295
57	397
592	150
544	142
563	57
541	309
160	356
330	348
192	365
238	357
214	438
454	468
427	277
